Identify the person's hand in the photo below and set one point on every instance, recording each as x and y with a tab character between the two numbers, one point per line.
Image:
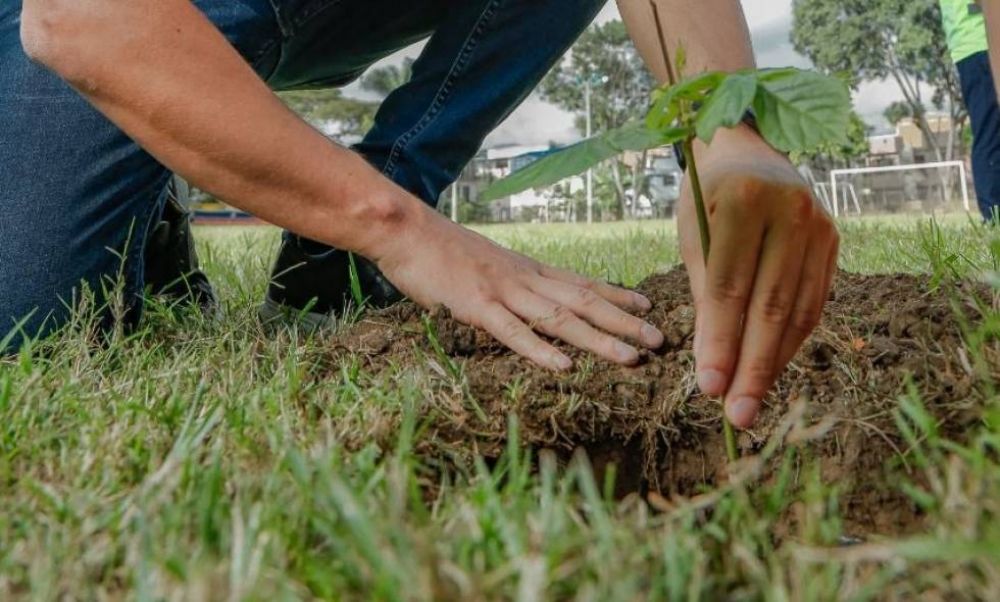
438	263
771	263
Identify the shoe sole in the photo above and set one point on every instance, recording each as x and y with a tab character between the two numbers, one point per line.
273	313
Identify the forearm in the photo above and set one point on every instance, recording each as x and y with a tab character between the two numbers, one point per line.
714	36
713	33
991	10
162	72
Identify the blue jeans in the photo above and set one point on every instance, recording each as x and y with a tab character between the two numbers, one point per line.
77	195
984	114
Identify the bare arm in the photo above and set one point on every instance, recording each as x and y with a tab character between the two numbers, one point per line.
162	72
713	33
773	250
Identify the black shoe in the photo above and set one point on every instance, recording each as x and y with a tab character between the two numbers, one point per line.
311	282
172	269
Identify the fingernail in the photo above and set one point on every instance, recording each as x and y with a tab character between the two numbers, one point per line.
643	303
626	353
651	337
743	411
561	362
712	382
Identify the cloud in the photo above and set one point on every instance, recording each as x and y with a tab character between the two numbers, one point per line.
770	21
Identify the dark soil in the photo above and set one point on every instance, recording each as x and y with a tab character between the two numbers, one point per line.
878	334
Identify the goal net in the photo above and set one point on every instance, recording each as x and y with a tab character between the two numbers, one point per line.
896	188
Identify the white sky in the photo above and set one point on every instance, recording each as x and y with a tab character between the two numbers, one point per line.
537	122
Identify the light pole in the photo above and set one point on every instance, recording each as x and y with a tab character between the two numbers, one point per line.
588	90
590	172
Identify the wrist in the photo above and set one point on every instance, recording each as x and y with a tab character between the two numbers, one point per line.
742	138
388	220
739	145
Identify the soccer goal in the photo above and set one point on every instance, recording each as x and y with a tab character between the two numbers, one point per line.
892	185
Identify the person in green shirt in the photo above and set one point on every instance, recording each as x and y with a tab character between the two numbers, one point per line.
965	27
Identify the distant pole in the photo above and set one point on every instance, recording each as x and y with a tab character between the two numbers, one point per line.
965	187
590	172
454	202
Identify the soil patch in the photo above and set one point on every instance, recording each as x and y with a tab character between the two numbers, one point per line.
880	336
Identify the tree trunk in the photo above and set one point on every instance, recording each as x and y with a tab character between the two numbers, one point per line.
638	179
911	93
616	176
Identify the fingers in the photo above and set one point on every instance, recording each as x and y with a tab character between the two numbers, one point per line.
559	321
814	289
725	294
625	299
515	334
775	289
600	312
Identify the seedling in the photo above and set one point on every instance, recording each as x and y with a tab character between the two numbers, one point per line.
795	111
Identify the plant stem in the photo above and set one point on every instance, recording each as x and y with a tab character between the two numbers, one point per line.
706	244
699	199
671	76
732	452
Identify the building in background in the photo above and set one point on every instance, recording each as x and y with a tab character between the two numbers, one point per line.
912	190
658	191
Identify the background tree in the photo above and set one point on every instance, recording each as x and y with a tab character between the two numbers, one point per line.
384	80
902	40
342	116
605	56
841	155
332	112
898	111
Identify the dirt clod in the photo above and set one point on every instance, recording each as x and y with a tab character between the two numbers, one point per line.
879	334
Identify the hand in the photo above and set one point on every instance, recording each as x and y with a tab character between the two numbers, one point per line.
772	260
436	262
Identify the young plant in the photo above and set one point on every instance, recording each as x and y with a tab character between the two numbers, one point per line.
795	111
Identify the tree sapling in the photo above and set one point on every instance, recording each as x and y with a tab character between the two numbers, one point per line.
795	111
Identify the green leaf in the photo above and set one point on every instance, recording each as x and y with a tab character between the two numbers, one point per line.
637	137
580	157
798	111
666	108
726	105
771	74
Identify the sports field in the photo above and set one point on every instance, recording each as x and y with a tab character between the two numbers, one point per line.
201	459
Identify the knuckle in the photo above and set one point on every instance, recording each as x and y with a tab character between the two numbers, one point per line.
759	373
746	205
587	298
727	289
562	317
748	188
486	294
802	209
775	308
511	328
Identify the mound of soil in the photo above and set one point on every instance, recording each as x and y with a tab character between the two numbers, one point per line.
880	334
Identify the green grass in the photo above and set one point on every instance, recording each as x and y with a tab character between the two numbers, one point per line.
211	460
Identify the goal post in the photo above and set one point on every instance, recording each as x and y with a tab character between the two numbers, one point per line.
837	173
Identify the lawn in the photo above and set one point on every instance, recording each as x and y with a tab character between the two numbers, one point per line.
217	460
